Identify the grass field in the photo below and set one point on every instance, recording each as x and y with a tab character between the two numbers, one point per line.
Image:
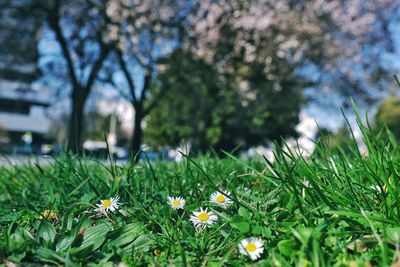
335	208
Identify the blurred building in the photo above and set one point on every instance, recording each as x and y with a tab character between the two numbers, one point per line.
23	120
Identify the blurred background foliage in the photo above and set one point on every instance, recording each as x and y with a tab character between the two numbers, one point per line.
388	115
213	110
207	74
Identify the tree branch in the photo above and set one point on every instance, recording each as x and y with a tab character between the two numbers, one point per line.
54	23
34	5
146	83
105	50
154	102
128	77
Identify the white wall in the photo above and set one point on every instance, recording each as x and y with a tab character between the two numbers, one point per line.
36	121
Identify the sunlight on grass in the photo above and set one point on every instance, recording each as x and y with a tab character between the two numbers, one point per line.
333	208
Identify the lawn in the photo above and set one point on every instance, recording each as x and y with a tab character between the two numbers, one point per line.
335	208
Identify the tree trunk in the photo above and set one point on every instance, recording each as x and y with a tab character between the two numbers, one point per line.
76	122
136	140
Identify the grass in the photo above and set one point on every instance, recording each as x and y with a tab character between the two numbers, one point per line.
335	208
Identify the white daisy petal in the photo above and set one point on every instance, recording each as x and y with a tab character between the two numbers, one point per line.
252	247
176	202
107	205
221	199
203	218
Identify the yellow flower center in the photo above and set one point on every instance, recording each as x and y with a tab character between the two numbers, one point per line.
106	203
176	203
203	217
220	199
251	247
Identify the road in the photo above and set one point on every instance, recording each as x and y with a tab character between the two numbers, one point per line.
20	160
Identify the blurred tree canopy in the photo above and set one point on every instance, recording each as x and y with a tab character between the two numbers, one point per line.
345	44
240	69
144	31
212	110
389	115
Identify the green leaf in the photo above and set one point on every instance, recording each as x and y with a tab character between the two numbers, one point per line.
17	257
81	252
47	232
15	241
240	224
65	242
93	238
262	230
245	213
287	247
303	234
48	255
393	234
125	234
9	217
361	217
95	235
266	232
141	244
69	218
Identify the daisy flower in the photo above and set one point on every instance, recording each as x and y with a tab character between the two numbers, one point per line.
379	189
202	219
176	202
221	199
252	247
108	205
